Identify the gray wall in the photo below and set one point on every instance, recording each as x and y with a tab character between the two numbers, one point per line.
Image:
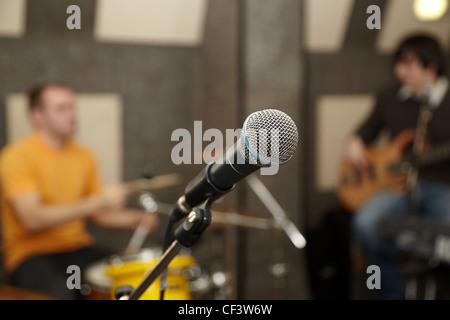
356	69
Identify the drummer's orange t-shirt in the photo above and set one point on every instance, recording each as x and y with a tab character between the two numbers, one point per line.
60	176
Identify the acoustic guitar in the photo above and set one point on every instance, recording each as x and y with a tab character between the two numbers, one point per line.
390	170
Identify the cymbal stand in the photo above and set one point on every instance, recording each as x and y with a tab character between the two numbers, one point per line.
279	215
279	269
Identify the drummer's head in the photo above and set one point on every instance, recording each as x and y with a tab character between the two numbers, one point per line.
52	109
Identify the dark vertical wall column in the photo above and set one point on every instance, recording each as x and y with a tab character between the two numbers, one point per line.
273	68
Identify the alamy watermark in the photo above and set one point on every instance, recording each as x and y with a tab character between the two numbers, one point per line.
189	149
374	21
374	280
73	281
74	20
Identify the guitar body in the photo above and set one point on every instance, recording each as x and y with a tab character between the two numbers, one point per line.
356	187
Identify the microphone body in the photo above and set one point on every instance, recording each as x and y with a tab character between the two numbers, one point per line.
217	179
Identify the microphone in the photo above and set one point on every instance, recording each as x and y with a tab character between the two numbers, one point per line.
268	138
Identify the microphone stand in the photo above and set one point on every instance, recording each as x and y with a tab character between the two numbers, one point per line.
185	236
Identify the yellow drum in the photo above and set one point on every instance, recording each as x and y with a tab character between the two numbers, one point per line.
132	269
99	283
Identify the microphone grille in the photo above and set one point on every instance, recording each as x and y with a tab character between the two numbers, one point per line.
268	137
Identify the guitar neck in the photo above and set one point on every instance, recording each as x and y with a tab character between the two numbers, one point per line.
437	154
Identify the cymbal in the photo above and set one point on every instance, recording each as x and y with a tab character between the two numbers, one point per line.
157	182
229	209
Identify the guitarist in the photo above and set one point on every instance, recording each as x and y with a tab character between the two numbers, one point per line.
419	68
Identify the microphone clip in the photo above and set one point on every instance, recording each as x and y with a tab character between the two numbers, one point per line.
193	227
200	187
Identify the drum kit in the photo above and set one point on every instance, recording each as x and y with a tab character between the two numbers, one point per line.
184	275
106	275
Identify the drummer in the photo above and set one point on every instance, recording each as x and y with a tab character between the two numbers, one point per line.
49	188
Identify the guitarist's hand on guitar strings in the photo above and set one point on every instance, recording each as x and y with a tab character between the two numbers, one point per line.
357	154
386	169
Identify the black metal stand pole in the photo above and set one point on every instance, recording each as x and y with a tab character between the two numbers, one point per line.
185	236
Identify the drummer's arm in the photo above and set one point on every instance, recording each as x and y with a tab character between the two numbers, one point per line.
117	215
36	215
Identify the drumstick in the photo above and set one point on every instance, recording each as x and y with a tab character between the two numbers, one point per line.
237	219
138	238
157	182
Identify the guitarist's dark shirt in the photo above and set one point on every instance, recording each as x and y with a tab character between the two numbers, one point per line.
395	114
